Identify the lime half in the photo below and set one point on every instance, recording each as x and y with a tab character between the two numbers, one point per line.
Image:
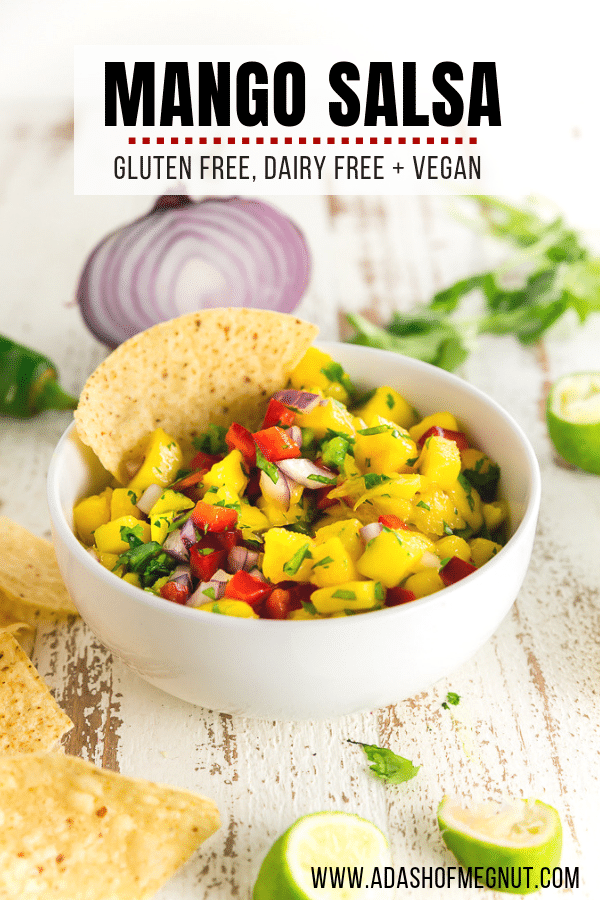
509	842
297	867
573	416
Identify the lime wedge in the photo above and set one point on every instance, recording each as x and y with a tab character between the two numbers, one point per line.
573	416
315	843
510	842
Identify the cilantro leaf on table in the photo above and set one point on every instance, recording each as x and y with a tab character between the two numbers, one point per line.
387	765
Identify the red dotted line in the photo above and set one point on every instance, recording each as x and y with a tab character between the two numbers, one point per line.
303	140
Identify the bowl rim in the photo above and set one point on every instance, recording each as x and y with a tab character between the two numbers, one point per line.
148	599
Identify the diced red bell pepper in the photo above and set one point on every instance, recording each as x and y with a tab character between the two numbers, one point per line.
300	592
455	569
278	414
206	558
278	604
253	490
204	460
324	501
239	438
459	438
228	539
274	443
391	521
213	518
189	481
243	586
174	591
395	596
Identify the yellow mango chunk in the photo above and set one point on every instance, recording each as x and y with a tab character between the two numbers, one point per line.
440	461
162	460
349	596
288	556
251	521
384	451
348	531
424	583
393	555
467	501
332	564
434	512
171	501
277	516
159	526
108	537
443	419
482	550
108	560
331	415
494	514
318	369
132	578
303	614
453	545
123	503
228	472
90	513
388	403
237	608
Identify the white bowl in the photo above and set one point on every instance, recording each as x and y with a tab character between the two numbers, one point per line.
323	668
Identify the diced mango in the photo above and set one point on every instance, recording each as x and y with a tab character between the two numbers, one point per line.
443	419
393	555
171	501
440	461
482	550
162	460
303	614
108	560
349	596
425	582
467	501
318	369
494	514
453	545
108	537
348	531
159	526
237	608
389	403
90	513
288	556
434	512
229	472
251	521
132	578
332	563
123	503
277	516
384	452
330	416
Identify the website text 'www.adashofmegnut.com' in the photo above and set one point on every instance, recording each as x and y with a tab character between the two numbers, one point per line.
440	877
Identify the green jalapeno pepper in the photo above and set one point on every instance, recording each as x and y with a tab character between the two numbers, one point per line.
28	382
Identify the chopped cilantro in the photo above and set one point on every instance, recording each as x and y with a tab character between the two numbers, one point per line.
335	372
452	699
424	505
132	536
323	562
321	479
132	496
309	607
210	593
212	441
447	529
445	561
376	429
411	461
341	594
373	479
390	401
466	486
379	591
267	467
292	566
387	765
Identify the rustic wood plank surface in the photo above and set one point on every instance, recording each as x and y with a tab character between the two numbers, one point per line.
528	722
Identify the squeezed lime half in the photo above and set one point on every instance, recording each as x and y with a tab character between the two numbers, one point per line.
573	416
510	842
320	841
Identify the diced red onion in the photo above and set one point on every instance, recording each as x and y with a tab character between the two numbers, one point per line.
430	560
182	575
301	469
370	531
241	558
186	255
295	432
132	467
301	401
175	546
149	498
256	573
188	533
199	597
276	490
221	576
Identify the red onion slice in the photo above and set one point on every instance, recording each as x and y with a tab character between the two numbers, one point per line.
188	533
370	531
305	472
187	255
300	401
275	490
175	546
241	558
149	498
200	596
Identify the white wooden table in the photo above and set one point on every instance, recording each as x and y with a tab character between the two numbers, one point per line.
528	721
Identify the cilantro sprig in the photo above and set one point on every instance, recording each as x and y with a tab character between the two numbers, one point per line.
387	765
551	272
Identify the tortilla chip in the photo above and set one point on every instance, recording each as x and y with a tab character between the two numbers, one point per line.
31	588
72	831
213	366
30	720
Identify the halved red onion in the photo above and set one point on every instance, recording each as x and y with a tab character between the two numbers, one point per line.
241	558
275	490
186	255
307	473
370	531
175	546
149	498
300	401
200	596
